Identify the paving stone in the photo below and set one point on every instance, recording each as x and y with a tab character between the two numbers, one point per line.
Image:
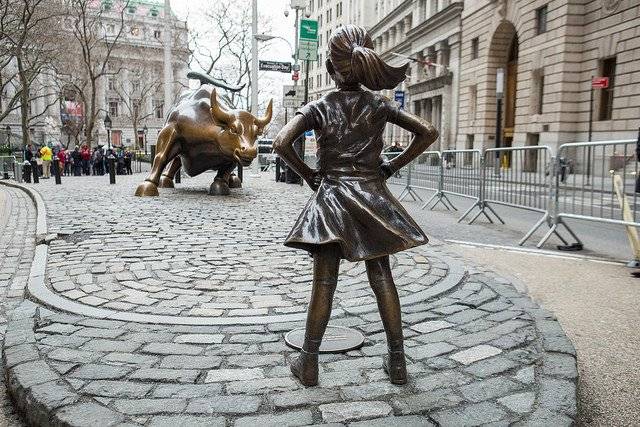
488	389
353	411
444	379
296	418
474	354
31	373
391	421
186	421
107	388
190	362
110	346
149	406
89	415
429	350
72	355
200	338
271	385
187	390
53	394
476	414
165	375
100	372
559	365
419	403
171	348
303	397
431	326
526	375
488	367
371	391
558	395
520	402
224	405
217	375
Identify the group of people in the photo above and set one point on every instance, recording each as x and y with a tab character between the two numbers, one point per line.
79	161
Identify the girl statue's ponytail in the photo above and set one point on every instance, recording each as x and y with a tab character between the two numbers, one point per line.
355	62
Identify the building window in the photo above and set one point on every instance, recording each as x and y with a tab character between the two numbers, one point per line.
114	103
111	83
473	102
607	69
339	9
135	31
135	85
158	109
157	34
540	84
475	47
541	20
135	107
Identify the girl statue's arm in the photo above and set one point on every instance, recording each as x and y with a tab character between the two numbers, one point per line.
283	145
424	135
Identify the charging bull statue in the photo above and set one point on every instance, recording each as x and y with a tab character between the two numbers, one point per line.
200	135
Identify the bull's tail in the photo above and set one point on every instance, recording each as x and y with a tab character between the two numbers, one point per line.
207	79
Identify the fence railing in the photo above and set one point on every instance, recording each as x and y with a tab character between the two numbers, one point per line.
576	184
9	168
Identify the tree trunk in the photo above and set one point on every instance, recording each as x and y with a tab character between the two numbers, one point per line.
24	102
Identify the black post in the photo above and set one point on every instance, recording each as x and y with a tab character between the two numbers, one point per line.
498	134
177	177
35	172
240	172
112	169
56	170
26	171
278	169
590	131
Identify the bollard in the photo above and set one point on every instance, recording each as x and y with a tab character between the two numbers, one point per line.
112	169
177	176
26	171
34	172
240	172
56	171
278	169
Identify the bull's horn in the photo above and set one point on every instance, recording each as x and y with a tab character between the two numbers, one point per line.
218	113
263	121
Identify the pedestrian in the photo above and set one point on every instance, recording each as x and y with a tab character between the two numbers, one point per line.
352	214
39	162
85	155
77	161
62	159
67	163
127	162
28	152
98	160
120	162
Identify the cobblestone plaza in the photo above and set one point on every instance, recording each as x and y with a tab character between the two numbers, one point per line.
172	311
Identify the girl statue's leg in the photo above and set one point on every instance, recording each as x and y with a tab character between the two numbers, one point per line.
326	262
379	273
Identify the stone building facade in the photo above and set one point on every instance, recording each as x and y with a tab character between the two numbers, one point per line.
139	84
549	49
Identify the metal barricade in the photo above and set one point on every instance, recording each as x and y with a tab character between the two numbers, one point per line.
518	177
584	188
461	175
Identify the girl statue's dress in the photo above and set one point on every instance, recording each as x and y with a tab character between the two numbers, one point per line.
353	207
352	214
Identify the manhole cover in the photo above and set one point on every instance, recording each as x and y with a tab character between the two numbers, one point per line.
337	339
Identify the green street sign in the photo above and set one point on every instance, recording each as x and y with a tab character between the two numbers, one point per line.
308	29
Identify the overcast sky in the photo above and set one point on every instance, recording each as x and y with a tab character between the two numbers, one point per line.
278	50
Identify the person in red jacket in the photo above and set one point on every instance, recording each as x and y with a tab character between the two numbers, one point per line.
85	155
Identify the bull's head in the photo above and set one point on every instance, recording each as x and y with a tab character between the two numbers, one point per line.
239	130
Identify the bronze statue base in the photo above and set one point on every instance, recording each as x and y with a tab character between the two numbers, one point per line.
147	189
337	339
219	188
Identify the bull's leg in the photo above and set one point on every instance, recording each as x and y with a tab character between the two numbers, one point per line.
234	180
220	186
166	180
167	150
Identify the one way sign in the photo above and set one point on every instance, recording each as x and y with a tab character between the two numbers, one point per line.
293	96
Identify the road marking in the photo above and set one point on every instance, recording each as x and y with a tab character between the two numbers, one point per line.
539	252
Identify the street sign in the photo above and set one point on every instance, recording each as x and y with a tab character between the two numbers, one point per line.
398	96
308	29
293	96
283	67
308	40
307	50
600	82
295	76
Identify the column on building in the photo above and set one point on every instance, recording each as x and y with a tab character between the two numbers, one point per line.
454	67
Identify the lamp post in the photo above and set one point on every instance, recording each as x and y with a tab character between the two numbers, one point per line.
107	126
145	130
499	96
254	72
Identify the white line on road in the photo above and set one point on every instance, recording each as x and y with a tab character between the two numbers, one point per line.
539	252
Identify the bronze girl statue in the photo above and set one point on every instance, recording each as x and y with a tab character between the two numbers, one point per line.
352	214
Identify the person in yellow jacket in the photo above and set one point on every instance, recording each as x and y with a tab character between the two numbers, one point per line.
46	154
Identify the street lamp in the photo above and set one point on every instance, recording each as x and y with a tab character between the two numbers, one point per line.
107	126
267	37
499	96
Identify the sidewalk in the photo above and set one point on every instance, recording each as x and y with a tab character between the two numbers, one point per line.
171	311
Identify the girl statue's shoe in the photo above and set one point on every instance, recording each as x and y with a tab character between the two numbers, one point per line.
395	366
305	368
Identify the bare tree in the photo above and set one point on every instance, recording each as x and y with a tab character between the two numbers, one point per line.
227	57
32	37
97	30
135	94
